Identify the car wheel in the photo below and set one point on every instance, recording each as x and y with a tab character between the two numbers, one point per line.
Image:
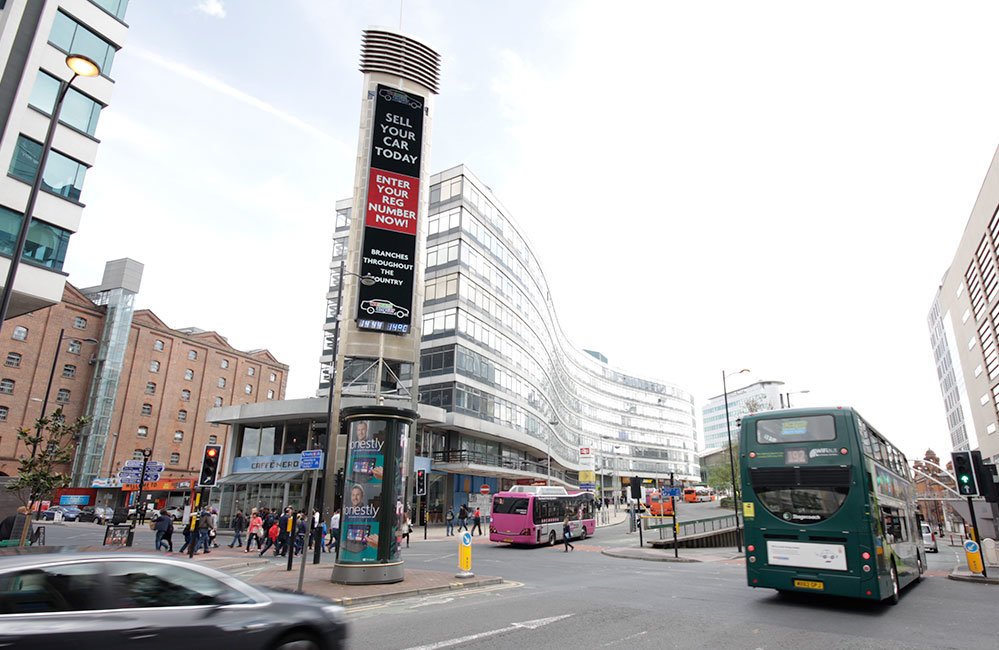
297	641
551	539
893	598
582	532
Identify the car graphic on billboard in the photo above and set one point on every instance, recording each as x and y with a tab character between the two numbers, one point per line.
384	307
400	97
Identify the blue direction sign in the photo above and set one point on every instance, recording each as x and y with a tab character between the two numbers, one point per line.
970	546
672	492
133	463
311	459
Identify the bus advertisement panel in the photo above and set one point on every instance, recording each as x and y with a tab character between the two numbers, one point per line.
829	506
532	515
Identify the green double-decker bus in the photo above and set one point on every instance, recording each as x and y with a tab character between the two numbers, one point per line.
828	504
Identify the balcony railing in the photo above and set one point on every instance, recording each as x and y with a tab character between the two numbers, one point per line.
464	457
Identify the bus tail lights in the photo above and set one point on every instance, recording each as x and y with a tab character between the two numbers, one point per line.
844	451
865	555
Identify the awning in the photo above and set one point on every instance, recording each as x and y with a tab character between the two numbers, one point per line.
244	478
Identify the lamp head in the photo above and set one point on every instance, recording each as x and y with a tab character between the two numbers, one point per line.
83	65
744	370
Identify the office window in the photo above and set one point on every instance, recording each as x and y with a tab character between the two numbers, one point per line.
185	395
150	388
74	347
13	360
143	432
137	454
20	333
213	439
154	366
147	409
221	382
158	345
63	176
273	376
192	355
182	415
62	396
270	394
78	110
72	37
69	371
7	386
174	458
178	436
225	363
3	413
189	374
114	7
218	401
251	371
248	389
80	323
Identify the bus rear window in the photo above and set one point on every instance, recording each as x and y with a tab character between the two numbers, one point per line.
509	506
803	429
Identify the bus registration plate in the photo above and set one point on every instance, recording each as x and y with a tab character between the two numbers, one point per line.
809	584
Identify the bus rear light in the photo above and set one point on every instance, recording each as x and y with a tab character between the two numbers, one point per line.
865	555
755	581
867	568
752	454
751	548
868	592
752	559
844	451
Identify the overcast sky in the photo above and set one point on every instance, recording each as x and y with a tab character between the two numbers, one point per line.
771	185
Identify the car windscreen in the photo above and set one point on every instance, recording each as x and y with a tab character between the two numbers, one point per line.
800	429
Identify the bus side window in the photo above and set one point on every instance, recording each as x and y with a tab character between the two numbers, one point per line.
865	437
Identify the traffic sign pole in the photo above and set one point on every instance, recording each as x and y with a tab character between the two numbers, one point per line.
672	505
976	536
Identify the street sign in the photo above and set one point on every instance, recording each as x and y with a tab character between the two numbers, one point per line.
465	552
484	488
311	459
672	492
974	558
133	463
156	465
970	546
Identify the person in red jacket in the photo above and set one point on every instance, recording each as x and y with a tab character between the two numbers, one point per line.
272	536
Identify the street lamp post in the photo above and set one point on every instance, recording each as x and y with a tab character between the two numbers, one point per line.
81	66
367	281
731	460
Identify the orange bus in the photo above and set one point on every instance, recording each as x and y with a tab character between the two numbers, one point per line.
698	494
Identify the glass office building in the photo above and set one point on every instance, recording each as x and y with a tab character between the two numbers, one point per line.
514	390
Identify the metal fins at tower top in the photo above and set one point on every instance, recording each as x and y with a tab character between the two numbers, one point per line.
395	54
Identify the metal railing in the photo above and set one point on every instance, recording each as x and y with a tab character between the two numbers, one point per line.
689	528
464	456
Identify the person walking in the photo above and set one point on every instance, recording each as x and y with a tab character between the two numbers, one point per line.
449	520
190	533
168	538
161	525
256	528
214	530
567	536
272	537
203	538
407	527
238	526
477	520
284	536
463	518
334	531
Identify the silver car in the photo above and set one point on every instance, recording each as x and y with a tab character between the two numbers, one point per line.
929	538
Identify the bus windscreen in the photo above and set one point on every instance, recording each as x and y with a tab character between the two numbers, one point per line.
800	429
509	506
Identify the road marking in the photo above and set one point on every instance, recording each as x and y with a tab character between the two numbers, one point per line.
431	601
627	638
530	625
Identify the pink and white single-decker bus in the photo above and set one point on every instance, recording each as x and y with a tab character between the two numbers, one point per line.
533	515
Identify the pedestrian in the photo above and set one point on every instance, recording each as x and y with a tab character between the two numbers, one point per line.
203	538
238	526
213	531
477	520
567	536
407	527
449	520
285	539
463	518
161	525
189	532
272	536
301	530
335	530
256	528
168	538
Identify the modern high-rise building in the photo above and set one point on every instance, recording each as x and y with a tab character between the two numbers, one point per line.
515	391
35	38
963	323
756	397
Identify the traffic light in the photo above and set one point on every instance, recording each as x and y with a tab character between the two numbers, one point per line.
965	472
983	474
421	482
210	465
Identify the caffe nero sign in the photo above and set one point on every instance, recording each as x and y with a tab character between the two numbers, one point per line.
388	249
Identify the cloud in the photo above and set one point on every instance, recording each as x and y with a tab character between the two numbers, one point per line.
213	8
225	89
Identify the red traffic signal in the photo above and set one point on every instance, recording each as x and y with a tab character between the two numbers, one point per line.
210	466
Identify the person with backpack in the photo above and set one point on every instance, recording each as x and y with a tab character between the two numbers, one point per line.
162	524
203	538
238	526
272	536
463	518
449	520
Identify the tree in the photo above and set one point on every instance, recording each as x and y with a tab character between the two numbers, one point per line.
757	404
44	471
720	474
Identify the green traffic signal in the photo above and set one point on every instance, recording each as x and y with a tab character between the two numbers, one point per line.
965	478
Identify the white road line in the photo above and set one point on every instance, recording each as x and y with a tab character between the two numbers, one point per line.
530	625
627	638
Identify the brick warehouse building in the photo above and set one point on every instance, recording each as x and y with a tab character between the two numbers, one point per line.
161	386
